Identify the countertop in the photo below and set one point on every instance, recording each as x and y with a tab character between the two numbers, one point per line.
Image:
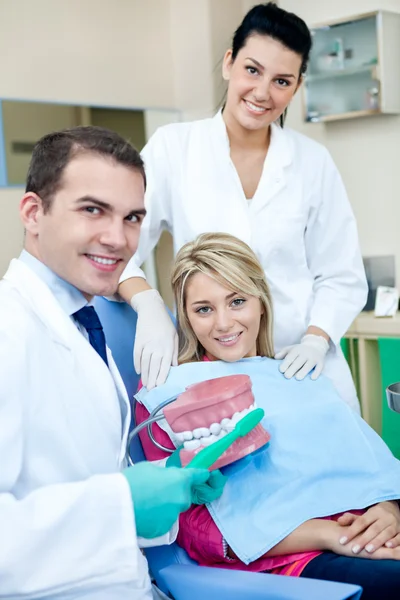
368	326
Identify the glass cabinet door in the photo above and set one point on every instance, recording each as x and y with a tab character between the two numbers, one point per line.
342	77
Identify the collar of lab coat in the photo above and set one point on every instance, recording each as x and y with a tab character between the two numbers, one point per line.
281	150
68	296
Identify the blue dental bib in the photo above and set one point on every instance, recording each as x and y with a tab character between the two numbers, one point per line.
322	458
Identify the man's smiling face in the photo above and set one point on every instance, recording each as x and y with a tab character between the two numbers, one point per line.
91	229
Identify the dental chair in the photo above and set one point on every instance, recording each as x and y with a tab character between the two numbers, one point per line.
174	572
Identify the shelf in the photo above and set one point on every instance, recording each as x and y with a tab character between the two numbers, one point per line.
348	115
335	74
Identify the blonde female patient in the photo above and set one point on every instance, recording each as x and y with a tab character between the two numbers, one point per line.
321	500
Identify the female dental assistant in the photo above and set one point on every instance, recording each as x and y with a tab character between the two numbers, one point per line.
243	173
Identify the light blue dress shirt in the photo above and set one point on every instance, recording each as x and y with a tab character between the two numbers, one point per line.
68	296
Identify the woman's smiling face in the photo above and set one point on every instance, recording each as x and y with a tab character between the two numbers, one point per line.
263	79
226	323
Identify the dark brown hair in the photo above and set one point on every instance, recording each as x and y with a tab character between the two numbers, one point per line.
54	151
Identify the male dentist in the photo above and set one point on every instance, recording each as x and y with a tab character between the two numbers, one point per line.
72	517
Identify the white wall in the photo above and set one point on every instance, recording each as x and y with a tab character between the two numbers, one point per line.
201	32
191	53
366	150
90	51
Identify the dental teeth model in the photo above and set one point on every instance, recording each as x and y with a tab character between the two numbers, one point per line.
206	435
208	411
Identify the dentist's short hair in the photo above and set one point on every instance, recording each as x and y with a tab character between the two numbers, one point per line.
53	152
233	264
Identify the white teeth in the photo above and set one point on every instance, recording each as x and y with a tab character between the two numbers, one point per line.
236	417
102	261
201	432
203	436
254	107
228	339
192	444
226	424
208	440
215	428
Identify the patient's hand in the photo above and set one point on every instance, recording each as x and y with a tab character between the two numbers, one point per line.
324	534
333	545
378	528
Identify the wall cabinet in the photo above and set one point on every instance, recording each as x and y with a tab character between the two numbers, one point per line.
354	68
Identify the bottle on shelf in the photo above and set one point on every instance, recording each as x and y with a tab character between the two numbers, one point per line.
373	102
339	52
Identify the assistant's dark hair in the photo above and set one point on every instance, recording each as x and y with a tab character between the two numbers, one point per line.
52	153
285	27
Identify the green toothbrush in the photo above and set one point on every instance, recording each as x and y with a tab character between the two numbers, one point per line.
207	457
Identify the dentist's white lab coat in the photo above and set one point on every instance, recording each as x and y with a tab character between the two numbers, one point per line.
299	223
66	517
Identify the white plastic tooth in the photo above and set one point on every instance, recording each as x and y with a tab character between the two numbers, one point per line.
227	425
192	445
244	412
179	437
187	435
215	428
207	441
201	432
236	418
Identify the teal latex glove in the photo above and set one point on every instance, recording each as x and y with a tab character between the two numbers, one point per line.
159	495
204	492
174	459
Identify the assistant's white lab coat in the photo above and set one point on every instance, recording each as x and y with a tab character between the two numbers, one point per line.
299	223
66	517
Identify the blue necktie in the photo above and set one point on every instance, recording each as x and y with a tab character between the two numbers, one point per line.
89	319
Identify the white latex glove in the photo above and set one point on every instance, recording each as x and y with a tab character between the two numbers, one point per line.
156	341
301	358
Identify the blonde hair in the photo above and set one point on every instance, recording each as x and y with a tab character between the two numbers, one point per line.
234	265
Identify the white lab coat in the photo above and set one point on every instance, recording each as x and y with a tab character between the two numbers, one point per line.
66	517
299	223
